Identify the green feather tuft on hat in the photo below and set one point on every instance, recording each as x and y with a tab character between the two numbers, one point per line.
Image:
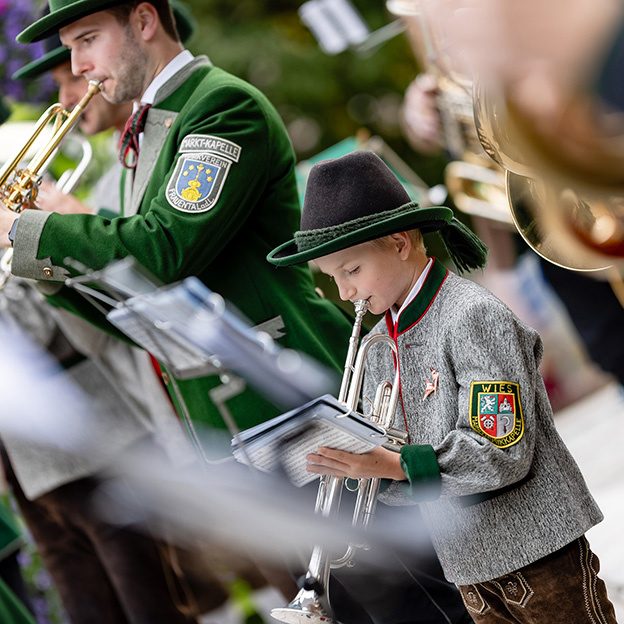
465	249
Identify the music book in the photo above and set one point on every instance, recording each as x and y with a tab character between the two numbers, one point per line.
284	441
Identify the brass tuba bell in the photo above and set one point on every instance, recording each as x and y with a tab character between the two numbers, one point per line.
565	183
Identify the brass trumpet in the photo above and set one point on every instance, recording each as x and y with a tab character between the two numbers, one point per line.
19	187
309	605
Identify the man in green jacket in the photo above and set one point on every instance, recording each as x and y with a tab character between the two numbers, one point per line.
212	191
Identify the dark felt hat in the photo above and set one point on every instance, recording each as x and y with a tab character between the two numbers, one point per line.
55	54
64	12
357	198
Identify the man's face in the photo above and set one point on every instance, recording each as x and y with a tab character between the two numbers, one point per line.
99	115
104	50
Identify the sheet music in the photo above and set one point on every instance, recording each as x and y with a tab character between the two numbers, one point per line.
284	441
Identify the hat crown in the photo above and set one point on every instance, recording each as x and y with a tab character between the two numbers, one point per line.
356	185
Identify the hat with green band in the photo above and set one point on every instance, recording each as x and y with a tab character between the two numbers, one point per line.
357	198
55	54
65	12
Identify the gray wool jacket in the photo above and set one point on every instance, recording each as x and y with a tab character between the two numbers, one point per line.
501	489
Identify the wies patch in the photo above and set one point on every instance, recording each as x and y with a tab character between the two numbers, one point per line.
201	172
495	411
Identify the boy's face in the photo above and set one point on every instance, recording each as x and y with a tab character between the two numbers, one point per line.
381	275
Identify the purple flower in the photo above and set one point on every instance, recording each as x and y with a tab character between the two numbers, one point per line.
15	16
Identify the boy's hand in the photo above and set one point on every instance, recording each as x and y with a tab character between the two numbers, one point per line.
379	462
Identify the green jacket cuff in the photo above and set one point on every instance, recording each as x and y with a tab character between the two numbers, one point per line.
420	465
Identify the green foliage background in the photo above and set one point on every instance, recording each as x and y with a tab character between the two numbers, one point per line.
318	96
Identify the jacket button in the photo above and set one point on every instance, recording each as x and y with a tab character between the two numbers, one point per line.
47	271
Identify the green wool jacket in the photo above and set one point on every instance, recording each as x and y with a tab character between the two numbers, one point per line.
214	191
10	534
12	610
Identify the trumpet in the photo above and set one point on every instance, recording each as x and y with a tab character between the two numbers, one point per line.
19	187
312	601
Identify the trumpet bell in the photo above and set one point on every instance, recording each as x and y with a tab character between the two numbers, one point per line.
305	607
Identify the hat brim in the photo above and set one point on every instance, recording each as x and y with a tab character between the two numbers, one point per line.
45	63
53	22
429	219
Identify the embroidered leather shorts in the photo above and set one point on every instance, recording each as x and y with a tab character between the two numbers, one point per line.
563	587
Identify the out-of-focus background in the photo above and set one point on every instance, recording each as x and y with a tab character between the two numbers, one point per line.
332	101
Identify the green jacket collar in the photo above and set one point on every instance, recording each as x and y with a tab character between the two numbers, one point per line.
175	82
421	303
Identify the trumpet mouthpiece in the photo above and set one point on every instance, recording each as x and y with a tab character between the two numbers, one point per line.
361	306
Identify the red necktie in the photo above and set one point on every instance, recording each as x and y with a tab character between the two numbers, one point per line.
129	141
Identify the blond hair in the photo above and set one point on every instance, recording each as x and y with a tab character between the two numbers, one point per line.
414	235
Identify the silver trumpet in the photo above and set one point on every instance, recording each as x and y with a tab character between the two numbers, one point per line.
310	603
19	187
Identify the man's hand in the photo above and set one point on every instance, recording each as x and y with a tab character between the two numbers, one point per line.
51	199
379	462
420	117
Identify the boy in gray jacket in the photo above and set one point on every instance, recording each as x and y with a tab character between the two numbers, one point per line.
505	502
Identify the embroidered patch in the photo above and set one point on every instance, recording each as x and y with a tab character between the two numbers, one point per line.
495	411
200	172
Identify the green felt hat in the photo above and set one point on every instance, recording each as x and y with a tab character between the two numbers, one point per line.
64	12
55	54
357	198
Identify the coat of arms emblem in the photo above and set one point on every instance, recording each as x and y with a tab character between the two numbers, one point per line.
495	411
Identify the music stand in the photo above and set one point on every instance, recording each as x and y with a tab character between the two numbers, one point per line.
194	333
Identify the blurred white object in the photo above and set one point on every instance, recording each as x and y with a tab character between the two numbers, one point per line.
336	24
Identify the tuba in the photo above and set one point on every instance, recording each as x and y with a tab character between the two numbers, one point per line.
19	187
564	183
312	601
